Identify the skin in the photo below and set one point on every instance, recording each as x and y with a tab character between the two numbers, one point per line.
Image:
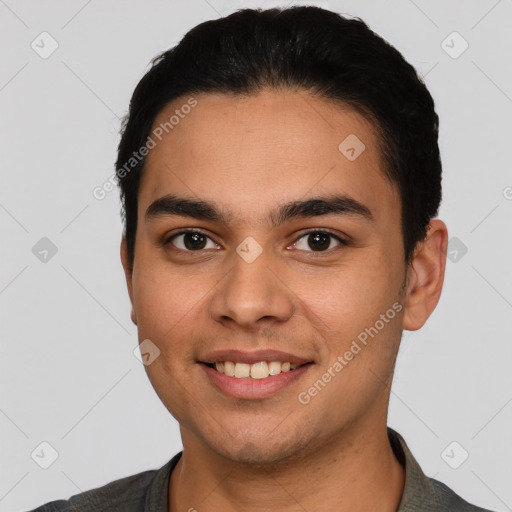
248	156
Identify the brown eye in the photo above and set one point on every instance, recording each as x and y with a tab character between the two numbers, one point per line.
318	241
191	241
194	241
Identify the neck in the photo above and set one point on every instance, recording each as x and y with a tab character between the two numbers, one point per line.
356	472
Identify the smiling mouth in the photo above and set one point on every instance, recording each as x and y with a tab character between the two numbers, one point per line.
259	370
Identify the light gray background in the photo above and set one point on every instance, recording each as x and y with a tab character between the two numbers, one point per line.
68	374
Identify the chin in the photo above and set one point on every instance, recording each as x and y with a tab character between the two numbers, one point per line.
251	448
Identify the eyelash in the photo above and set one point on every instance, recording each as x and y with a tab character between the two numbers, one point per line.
342	241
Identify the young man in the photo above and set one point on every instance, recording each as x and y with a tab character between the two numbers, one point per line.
280	175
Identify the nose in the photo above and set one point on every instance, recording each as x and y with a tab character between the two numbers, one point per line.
251	295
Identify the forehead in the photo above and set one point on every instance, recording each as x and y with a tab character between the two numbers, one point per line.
255	151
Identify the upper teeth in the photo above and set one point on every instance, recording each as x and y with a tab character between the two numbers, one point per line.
259	370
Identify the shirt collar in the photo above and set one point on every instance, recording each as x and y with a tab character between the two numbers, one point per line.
419	490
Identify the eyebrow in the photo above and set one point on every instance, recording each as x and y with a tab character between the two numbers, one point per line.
171	205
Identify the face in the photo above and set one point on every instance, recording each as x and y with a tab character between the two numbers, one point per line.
261	242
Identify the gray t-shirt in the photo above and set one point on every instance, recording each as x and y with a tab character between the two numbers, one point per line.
148	491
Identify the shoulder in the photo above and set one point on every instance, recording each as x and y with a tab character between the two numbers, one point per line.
447	499
422	492
124	494
143	491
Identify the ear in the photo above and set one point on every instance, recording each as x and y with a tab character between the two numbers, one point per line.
425	276
128	272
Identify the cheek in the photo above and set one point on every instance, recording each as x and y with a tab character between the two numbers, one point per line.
348	302
166	306
164	298
171	309
360	289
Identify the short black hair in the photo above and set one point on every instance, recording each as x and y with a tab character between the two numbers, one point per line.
301	48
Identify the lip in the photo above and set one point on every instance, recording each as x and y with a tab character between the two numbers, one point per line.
239	356
254	389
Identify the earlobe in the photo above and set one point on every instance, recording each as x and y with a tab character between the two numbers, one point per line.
426	276
128	272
